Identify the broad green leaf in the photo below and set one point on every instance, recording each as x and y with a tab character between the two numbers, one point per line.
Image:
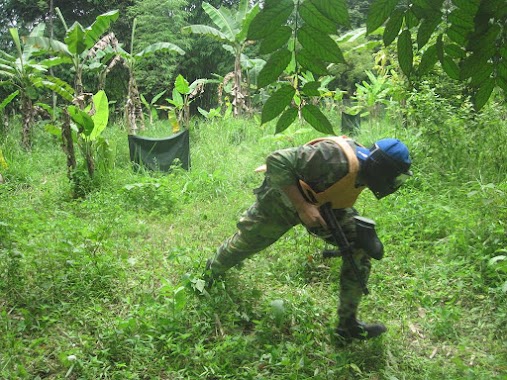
393	27
6	56
45	107
144	101
158	96
95	31
461	19
320	45
8	99
246	21
181	85
53	129
101	116
483	93
308	62
502	83
336	10
458	34
286	119
275	40
75	39
405	52
207	31
57	85
221	19
426	8
177	99
160	47
17	42
501	68
274	67
314	116
468	6
242	9
411	20
485	43
45	43
7	70
481	75
378	13
82	119
450	67
56	61
277	102
313	17
311	88
426	29
470	65
7	60
274	14
203	112
454	51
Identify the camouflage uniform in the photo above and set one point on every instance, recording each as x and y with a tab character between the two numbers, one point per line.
273	214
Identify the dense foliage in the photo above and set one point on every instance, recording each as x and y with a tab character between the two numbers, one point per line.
466	37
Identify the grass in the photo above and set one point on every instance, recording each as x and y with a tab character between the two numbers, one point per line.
108	286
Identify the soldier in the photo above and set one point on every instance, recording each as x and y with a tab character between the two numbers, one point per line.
331	170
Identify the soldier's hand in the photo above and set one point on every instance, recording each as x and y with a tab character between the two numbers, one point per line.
308	212
310	215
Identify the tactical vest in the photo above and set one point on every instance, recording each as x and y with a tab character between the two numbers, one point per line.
343	193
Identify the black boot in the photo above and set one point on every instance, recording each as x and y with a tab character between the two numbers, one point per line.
354	329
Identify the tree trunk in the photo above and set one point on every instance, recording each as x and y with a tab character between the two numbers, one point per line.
27	112
78	88
90	163
238	101
133	107
68	145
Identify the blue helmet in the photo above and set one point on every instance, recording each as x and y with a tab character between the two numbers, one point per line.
386	167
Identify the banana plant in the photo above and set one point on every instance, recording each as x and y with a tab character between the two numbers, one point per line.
231	29
369	95
85	127
183	95
79	47
150	105
26	75
133	107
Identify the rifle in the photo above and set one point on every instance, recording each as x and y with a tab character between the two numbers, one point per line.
341	241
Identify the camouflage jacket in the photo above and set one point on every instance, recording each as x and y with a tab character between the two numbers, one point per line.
319	165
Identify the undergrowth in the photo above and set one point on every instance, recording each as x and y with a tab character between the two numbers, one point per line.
109	285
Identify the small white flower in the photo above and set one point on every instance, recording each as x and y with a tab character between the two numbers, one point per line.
71	358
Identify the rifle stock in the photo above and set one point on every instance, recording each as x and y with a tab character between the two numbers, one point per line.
341	241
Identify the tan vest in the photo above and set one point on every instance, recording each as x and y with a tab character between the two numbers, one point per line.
343	193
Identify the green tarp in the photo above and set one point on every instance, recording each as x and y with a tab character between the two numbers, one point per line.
159	153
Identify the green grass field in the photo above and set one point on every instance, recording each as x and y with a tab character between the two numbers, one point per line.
108	286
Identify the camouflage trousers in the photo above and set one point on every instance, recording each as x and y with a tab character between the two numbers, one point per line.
267	220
